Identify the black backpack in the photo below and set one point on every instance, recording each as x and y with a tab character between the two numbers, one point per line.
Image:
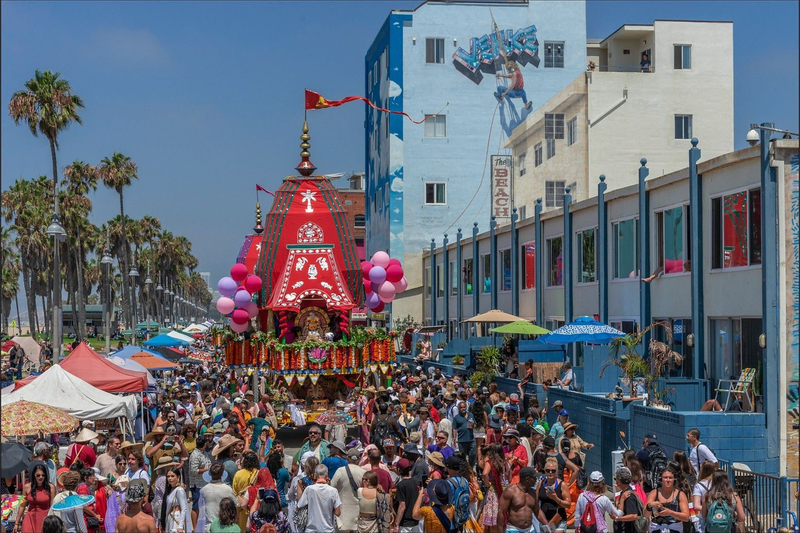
658	462
382	430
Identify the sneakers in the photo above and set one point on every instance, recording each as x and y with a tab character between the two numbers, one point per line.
529	105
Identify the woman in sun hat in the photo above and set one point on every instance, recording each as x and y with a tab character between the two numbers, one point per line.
439	514
82	448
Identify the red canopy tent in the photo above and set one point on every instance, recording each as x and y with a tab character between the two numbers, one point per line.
99	372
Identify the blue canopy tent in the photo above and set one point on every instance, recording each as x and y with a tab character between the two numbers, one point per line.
165	341
129	350
583	329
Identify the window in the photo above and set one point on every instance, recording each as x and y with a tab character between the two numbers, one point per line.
435	194
554	125
673	236
586	255
553	323
553	54
466	276
427	283
551	148
453	278
521	163
486	264
734	346
736	229
681	327
626	246
683	126
439	282
554	262
625	326
572	131
435	125
434	50
505	269
554	193
522	212
537	155
683	56
528	269
360	221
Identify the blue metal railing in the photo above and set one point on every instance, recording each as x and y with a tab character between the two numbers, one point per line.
769	502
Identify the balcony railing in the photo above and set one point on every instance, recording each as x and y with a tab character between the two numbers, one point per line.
591	67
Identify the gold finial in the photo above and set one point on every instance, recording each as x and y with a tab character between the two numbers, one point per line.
258	228
306	167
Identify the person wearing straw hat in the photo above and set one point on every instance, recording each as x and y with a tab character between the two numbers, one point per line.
222	452
82	449
440	511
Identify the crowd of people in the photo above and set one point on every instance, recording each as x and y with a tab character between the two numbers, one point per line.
429	453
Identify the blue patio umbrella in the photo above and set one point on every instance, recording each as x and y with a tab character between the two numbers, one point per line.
130	350
73	501
165	340
583	329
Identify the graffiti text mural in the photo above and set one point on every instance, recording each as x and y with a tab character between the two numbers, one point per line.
486	55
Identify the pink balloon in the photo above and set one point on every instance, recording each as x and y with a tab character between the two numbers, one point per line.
242	298
381	259
394	273
394	261
387	300
238	272
252	309
226	286
372	300
377	274
239	328
386	290
378	308
366	266
400	286
225	305
239	316
252	284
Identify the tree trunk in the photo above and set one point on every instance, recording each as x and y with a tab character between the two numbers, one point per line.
29	296
126	299
81	300
46	299
19	319
71	282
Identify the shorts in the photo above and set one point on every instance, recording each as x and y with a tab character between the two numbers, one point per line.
479	432
195	492
512	529
561	526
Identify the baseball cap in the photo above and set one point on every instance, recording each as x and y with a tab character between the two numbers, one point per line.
558	403
526	472
539	429
549	442
563	412
403	464
623	474
514	397
40	448
453	463
388	442
136	491
651	437
596	477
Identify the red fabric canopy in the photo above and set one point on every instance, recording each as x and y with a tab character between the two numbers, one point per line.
99	372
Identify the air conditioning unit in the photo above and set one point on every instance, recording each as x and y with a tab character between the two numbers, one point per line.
616	460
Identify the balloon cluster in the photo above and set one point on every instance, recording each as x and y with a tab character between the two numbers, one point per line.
237	297
383	279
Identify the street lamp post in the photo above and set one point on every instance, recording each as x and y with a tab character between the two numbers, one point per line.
133	275
160	291
107	262
56	231
148	283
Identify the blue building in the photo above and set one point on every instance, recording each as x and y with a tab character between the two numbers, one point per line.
442	59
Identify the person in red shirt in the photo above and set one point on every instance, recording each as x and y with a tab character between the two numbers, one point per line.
515	89
515	453
82	448
432	411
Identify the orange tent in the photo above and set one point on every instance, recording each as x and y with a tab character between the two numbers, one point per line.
151	362
98	371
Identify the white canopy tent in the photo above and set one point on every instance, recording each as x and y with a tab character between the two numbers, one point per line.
59	388
130	364
181	337
196	328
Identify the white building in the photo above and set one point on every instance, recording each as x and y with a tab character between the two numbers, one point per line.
206	276
621	110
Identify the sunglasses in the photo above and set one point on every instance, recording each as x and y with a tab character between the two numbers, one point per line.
550	471
314	433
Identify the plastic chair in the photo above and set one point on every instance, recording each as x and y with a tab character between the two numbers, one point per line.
741	388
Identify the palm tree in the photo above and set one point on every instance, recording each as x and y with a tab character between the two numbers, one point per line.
48	106
80	178
118	172
10	268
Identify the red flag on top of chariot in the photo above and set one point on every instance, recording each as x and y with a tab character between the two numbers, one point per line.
317	101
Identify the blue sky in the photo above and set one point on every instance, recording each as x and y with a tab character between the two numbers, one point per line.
207	97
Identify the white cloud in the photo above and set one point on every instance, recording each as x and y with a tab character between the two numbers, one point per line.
394	89
395	237
395	153
396	210
397	185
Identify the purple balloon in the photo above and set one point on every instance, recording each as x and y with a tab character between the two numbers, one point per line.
377	275
225	305
372	300
242	298
227	287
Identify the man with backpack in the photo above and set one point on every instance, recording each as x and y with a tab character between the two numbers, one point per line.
699	452
459	490
654	461
383	427
632	519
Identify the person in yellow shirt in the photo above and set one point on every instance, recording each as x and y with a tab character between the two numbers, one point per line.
242	481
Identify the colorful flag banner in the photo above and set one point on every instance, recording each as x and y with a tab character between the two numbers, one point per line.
317	101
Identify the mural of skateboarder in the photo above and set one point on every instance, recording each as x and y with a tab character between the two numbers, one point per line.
516	88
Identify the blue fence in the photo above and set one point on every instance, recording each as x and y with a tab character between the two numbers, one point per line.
769	502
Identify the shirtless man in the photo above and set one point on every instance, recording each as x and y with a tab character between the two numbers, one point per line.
134	520
519	503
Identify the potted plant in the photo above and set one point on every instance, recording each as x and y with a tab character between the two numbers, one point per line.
488	361
458	360
633	365
442	344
